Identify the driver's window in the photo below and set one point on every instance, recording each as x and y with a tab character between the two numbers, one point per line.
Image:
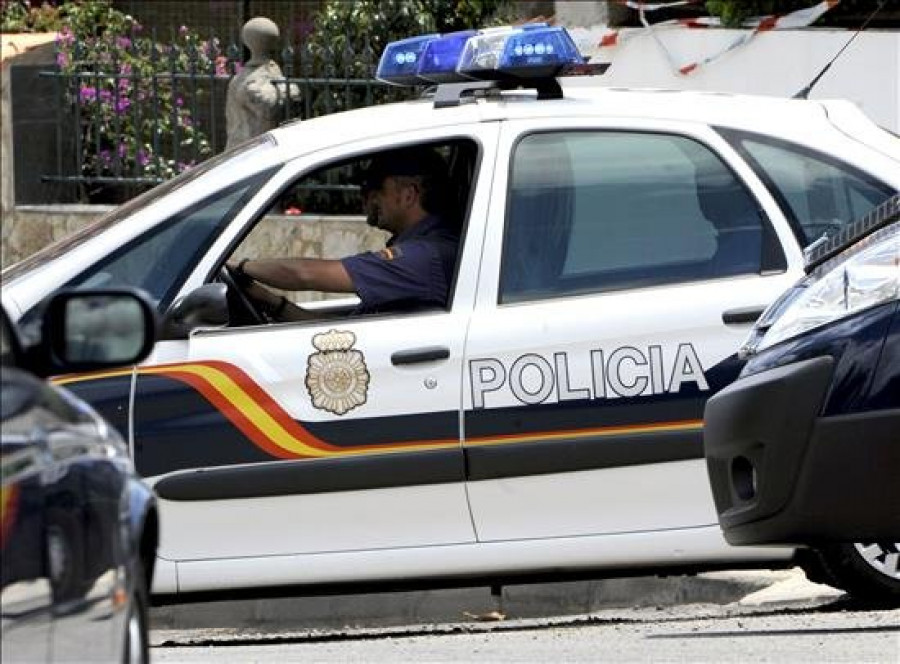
323	215
319	216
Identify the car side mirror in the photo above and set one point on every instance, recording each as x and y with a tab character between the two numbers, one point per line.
204	307
96	329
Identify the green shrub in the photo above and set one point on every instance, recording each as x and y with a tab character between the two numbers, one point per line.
349	37
134	121
735	12
23	16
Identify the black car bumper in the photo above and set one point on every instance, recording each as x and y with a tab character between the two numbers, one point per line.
783	473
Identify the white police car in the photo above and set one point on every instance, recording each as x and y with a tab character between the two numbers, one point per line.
617	245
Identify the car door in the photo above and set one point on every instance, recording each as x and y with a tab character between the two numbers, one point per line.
632	259
331	436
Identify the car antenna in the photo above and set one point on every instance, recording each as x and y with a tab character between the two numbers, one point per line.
804	93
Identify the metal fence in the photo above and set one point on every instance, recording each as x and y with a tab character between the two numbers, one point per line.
145	111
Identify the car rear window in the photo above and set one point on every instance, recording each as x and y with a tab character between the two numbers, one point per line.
594	211
818	193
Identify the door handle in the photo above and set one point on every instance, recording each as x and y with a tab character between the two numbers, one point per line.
416	355
742	315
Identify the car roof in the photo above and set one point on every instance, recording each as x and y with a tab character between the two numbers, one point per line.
753	113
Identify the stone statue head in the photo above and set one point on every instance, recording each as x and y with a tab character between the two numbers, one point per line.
261	36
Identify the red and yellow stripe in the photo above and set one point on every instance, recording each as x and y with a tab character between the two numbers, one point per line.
259	417
590	432
268	426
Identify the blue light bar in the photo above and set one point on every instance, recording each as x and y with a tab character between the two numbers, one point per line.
441	56
509	53
400	61
528	51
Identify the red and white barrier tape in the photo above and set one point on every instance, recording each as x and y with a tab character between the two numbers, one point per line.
796	19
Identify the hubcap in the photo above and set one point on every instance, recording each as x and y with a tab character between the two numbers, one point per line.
884	557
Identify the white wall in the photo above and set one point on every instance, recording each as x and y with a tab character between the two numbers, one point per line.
778	63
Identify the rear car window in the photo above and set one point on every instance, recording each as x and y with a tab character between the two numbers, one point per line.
817	193
603	211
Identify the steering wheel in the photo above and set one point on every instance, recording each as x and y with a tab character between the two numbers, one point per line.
242	307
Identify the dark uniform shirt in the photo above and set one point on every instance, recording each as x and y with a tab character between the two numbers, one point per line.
413	271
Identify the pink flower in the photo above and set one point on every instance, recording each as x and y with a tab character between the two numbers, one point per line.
87	93
65	37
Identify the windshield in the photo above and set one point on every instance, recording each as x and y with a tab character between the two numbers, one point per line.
159	260
242	153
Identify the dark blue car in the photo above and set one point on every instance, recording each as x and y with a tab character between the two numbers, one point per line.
805	447
78	529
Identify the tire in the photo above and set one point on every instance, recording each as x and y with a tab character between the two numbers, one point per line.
868	571
137	640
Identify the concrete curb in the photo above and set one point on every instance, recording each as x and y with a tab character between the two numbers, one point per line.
520	602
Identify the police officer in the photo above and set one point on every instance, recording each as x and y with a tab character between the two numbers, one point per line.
402	194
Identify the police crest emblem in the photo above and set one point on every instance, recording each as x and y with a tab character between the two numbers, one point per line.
337	377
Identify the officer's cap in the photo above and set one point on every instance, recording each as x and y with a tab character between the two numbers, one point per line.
410	162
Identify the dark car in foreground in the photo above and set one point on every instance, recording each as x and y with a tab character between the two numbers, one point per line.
804	448
78	528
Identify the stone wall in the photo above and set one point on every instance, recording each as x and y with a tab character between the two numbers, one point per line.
310	237
27	229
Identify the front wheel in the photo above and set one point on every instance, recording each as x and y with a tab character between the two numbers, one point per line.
866	570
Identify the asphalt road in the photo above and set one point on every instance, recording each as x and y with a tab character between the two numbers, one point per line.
830	629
